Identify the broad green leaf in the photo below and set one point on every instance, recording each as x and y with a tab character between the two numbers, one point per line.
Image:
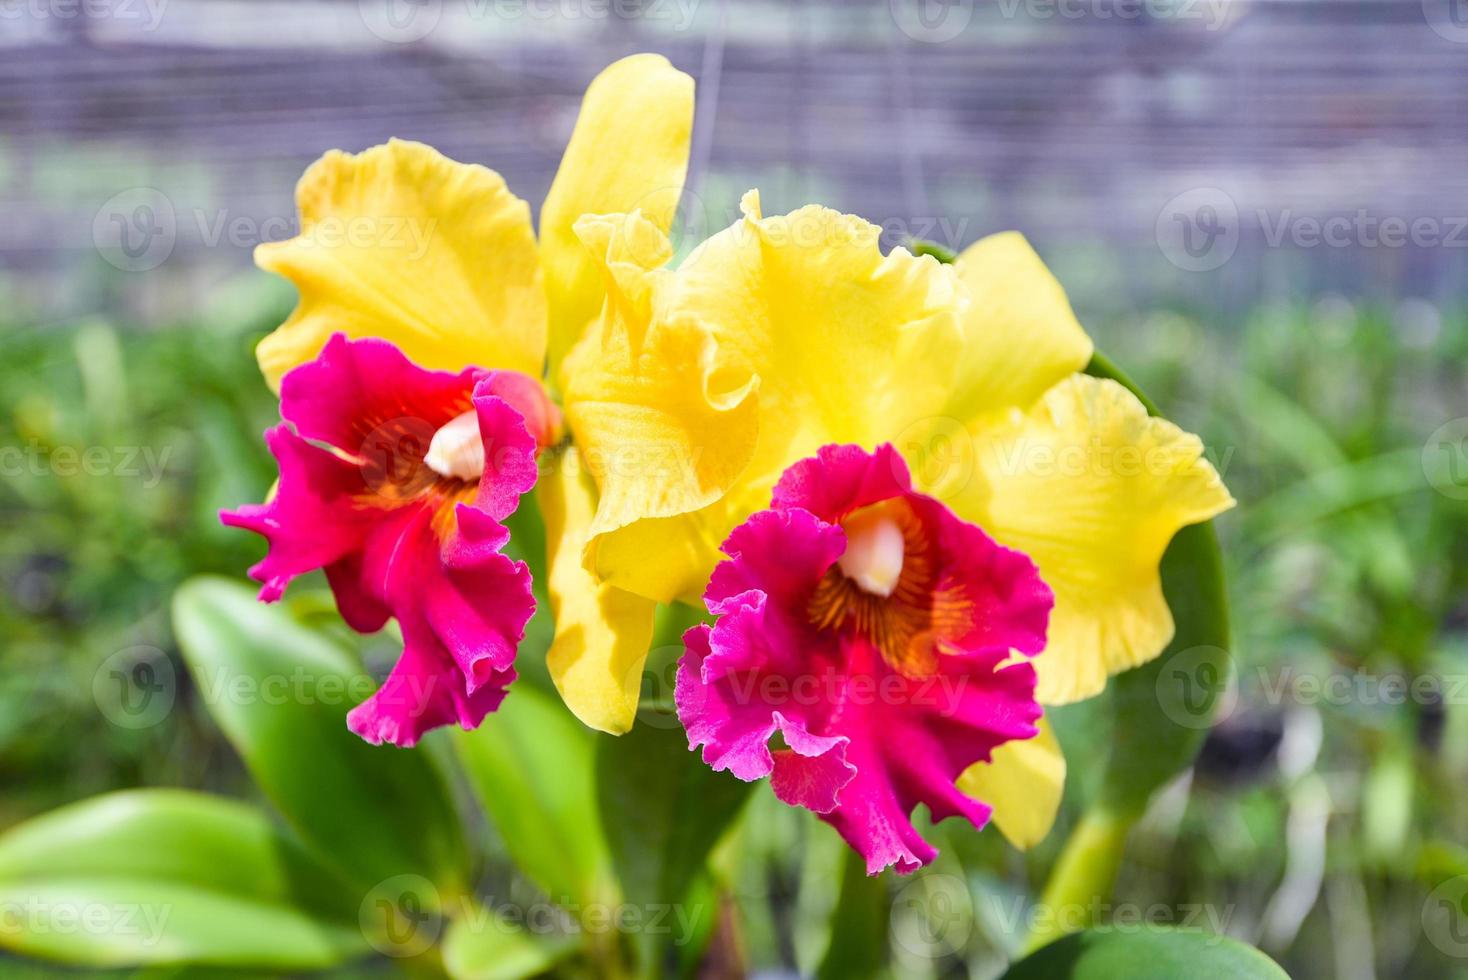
281	693
484	945
1162	710
663	811
168	876
1146	953
531	765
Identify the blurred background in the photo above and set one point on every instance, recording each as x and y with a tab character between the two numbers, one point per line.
1259	208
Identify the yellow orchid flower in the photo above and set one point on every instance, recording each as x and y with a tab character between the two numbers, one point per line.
701	384
439	259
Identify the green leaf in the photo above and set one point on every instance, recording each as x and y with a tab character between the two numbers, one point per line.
859	926
663	810
484	945
1146	953
168	876
1162	709
531	765
281	693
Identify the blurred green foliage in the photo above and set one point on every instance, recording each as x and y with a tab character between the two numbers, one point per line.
121	445
1323	808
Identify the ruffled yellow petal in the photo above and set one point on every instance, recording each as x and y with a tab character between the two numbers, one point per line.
1021	336
628	152
402	243
1023	783
665	420
602	633
1092	489
667	556
776	336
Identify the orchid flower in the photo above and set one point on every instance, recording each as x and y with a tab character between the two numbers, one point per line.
410	383
776	389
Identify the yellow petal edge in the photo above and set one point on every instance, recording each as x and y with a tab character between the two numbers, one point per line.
602	633
628	152
402	243
1093	490
1020	334
1023	782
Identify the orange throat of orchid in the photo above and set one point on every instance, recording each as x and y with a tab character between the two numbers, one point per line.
884	588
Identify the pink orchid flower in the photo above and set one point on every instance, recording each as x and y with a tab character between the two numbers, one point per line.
395	480
870	628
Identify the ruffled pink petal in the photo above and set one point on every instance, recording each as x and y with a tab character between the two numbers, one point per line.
733	719
777	552
316	518
462	607
398	541
813	770
350	395
527	396
865	742
477	602
912	738
509	453
360	608
733	729
840	478
1009	603
420	694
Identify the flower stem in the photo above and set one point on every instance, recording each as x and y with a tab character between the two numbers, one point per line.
1083	877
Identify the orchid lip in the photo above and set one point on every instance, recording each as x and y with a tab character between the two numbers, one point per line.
875	549
456	449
